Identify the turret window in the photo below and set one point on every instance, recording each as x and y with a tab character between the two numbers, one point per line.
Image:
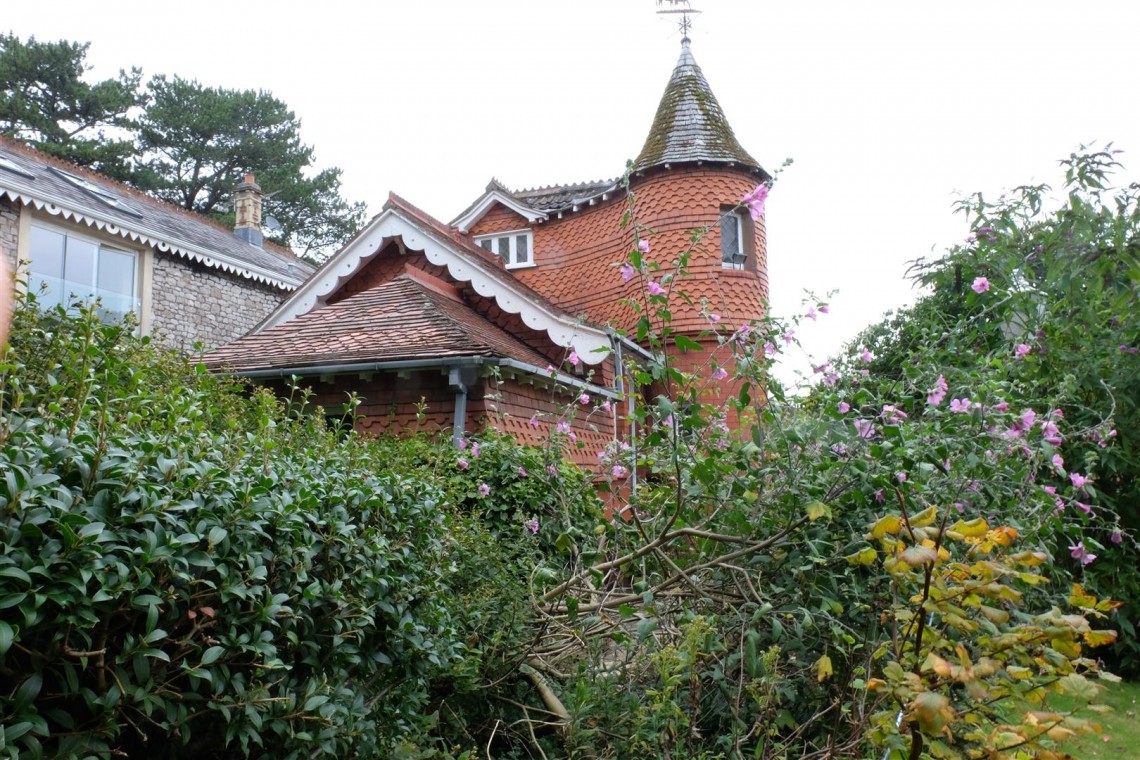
512	247
733	253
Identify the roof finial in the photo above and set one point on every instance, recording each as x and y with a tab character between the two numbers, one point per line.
685	9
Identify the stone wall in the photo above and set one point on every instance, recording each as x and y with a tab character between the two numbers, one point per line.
191	303
9	231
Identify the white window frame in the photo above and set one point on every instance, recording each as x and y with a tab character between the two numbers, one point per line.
491	242
733	259
136	294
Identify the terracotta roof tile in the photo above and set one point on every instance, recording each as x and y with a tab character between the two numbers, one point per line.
410	317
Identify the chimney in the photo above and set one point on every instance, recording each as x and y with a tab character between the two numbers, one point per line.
247	211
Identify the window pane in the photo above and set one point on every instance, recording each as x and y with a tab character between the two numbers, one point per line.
486	244
731	251
504	244
522	249
116	281
45	270
79	268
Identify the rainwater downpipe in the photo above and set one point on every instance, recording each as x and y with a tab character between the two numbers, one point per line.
455	380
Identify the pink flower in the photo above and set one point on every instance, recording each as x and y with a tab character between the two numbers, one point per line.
824	309
550	369
880	496
714	318
619	471
843	407
552	470
1116	536
573	358
584	399
606	407
1001	406
959	405
981	285
643	246
769	348
1021	350
789	336
938	393
901	476
811	314
1058	462
1051	490
475	450
1084	507
667	422
864	429
562	427
1028	417
867	356
484	489
534	420
1051	432
1079	480
893	416
830	379
522	472
531	525
655	289
719	373
463	464
627	272
1078	551
462	444
755	201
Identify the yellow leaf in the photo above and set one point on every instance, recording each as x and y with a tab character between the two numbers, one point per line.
1100	638
1003	535
1019	673
1080	598
888	525
875	683
823	668
818	509
1060	733
1104	675
865	557
971	529
925	517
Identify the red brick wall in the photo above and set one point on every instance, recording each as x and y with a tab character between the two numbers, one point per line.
578	256
390	404
511	403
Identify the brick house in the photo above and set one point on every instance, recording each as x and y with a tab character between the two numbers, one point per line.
67	231
476	319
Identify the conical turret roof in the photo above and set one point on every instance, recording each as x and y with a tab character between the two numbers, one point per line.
690	125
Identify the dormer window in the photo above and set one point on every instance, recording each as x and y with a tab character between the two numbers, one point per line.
515	248
733	253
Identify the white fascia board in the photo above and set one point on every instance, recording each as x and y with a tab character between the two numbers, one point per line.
140	234
465	222
587	341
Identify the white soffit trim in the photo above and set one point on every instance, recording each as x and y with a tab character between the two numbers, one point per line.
148	238
587	341
465	222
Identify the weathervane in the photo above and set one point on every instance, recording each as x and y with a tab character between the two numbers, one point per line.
685	9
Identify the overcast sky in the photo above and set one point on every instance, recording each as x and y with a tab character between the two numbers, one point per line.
889	109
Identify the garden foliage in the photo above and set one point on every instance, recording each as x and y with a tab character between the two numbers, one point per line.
187	570
903	564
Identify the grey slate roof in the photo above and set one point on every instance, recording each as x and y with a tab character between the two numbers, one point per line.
30	177
560	197
690	125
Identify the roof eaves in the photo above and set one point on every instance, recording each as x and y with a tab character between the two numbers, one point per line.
473	213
